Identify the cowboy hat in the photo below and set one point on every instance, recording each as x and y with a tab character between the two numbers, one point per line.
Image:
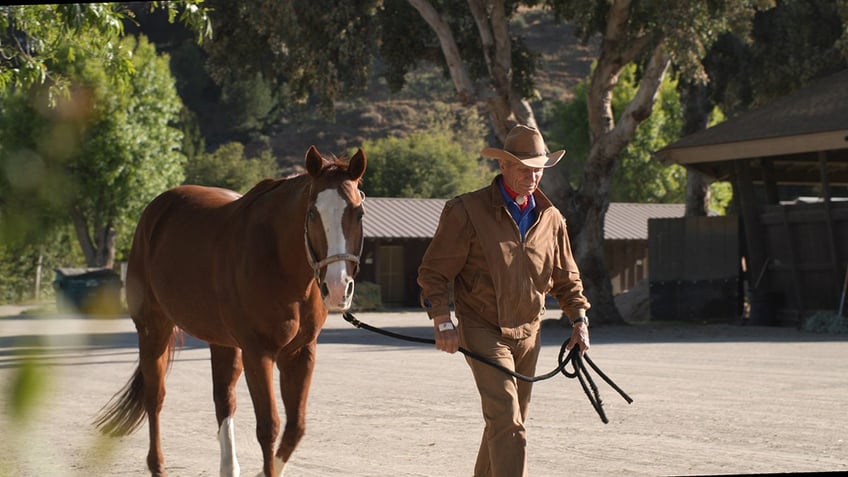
525	145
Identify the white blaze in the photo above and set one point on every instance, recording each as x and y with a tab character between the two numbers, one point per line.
331	206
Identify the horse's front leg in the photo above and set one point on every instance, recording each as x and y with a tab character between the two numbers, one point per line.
226	369
295	379
259	371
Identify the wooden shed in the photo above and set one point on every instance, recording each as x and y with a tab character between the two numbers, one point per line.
398	231
788	163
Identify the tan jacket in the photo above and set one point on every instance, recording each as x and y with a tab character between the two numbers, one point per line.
499	280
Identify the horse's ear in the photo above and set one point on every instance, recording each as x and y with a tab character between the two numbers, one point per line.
314	161
357	164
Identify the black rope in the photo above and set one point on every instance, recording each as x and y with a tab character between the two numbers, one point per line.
565	357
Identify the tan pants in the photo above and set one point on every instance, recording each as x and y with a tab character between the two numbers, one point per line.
504	399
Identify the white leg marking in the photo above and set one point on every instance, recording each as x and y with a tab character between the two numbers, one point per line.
227	440
279	465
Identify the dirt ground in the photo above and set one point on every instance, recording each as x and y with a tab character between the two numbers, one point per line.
708	399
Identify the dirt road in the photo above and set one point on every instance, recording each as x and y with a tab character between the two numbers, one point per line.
709	399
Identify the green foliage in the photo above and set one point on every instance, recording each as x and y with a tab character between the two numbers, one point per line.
228	168
440	162
368	297
248	101
98	155
826	322
27	387
638	177
794	42
306	50
408	42
34	40
19	263
687	28
721	195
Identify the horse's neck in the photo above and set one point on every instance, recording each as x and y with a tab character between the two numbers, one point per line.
275	200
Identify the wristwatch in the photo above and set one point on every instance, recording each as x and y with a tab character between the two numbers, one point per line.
580	319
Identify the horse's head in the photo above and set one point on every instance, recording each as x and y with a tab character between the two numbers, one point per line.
334	233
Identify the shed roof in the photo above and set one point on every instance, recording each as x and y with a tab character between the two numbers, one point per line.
791	131
403	218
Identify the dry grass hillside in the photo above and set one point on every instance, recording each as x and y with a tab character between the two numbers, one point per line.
563	63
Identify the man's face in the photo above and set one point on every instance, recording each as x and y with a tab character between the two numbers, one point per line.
520	178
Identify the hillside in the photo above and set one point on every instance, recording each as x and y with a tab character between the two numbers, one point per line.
563	63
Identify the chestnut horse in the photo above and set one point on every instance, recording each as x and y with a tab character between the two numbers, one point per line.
254	276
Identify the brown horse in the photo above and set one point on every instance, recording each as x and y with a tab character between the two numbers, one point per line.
254	276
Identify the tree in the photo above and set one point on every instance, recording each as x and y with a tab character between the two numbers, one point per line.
789	44
638	178
503	82
653	36
445	154
488	67
33	39
311	52
228	168
96	156
321	51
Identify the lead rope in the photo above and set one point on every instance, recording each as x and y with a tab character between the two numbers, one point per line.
579	369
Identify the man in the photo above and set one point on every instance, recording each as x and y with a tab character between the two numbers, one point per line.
503	248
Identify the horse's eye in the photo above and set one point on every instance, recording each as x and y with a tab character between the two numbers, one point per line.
312	215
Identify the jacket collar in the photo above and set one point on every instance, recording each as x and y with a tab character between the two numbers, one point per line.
496	199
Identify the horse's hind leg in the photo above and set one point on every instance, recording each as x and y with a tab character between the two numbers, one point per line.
156	347
295	379
226	370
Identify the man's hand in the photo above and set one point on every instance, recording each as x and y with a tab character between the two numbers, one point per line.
579	337
447	338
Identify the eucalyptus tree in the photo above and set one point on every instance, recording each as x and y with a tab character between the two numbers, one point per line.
654	36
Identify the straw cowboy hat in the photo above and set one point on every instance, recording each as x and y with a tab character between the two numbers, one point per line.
525	145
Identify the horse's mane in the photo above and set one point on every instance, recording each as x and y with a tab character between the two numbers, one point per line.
332	164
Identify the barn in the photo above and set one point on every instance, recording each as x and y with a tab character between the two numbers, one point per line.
788	164
398	230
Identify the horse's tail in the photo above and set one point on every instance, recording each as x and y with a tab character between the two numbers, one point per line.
125	412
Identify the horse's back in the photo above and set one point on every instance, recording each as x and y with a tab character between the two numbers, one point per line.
173	250
182	214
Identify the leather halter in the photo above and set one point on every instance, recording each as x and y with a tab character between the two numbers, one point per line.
318	265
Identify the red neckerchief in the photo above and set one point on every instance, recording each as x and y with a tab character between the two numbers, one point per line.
512	195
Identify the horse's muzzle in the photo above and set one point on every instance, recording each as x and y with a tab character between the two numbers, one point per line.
339	297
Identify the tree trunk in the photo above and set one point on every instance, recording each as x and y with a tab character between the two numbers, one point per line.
107	239
99	252
89	250
585	208
458	71
697	194
696	115
505	106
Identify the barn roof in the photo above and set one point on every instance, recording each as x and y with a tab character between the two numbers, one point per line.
402	218
792	131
